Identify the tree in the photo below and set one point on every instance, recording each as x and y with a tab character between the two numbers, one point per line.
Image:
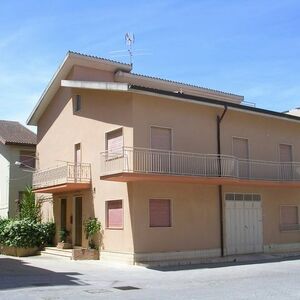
29	208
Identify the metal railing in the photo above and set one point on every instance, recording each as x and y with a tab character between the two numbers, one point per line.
141	160
64	173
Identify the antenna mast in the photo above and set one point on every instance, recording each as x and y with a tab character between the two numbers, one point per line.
129	41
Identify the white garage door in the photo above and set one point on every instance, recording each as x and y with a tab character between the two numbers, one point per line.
243	214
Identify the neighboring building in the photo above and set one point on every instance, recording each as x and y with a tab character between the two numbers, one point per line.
17	143
294	112
173	171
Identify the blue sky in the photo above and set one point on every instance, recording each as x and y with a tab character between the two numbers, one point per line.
250	48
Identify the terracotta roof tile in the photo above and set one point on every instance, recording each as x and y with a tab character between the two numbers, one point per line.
12	132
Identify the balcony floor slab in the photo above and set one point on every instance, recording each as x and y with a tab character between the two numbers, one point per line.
136	177
63	188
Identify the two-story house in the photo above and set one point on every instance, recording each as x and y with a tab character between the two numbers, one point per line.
173	171
17	144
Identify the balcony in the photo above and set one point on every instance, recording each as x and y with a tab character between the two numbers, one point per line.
66	177
134	164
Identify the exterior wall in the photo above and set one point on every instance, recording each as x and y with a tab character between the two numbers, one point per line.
81	73
4	180
194	218
59	129
193	126
12	178
264	135
19	178
272	198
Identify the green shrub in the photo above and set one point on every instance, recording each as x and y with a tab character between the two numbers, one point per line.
47	233
91	227
25	233
63	234
3	224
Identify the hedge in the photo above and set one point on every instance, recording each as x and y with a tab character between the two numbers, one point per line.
25	233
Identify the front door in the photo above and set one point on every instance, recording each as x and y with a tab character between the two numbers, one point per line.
63	214
78	221
243	214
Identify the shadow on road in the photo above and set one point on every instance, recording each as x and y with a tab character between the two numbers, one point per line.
15	273
221	264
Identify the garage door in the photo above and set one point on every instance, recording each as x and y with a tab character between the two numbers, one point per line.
243	214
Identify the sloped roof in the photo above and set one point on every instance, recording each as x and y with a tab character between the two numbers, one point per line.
12	132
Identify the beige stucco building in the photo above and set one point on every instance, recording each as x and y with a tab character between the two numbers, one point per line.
172	171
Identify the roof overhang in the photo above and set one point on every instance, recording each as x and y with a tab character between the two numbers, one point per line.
173	86
95	85
70	60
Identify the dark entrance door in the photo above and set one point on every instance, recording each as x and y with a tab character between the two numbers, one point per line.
63	214
78	221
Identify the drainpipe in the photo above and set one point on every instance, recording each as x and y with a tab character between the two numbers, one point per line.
219	120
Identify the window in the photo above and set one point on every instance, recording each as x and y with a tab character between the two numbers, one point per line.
289	218
114	214
242	197
27	159
77	103
114	143
161	138
160	212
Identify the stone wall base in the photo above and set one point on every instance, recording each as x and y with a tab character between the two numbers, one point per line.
85	254
20	252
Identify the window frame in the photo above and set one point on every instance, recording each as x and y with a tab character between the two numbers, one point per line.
31	156
77	103
107	217
170	211
281	225
120	155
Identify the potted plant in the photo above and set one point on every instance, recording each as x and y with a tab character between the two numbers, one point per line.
91	227
63	235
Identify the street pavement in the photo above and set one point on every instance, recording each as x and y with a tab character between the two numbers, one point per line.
52	278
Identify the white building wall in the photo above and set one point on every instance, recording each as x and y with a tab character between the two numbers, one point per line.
13	179
4	180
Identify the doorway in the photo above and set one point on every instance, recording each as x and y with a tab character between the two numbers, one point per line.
78	221
63	214
244	233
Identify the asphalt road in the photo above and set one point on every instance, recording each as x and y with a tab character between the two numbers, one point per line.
55	278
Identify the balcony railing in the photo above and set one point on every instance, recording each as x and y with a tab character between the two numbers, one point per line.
151	161
62	174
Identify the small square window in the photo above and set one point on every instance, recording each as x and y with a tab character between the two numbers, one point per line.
77	103
289	217
160	212
114	214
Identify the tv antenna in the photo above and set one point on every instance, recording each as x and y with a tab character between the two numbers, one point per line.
129	41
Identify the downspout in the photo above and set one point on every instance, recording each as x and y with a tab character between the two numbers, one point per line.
220	189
